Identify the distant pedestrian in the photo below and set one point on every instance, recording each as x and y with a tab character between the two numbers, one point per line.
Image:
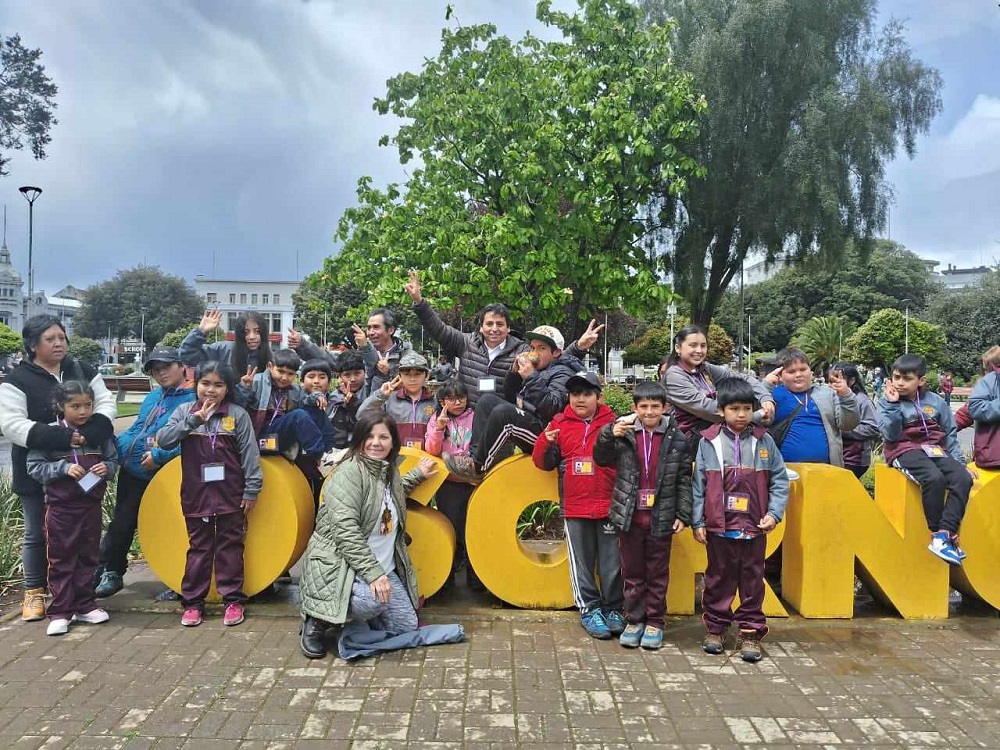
947	385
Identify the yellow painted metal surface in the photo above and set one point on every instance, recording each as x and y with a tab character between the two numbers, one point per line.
426	489
433	547
277	529
832	520
980	538
512	571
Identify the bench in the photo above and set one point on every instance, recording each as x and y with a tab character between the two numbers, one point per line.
129	388
961	393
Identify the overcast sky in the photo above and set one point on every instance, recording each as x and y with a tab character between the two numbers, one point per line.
226	137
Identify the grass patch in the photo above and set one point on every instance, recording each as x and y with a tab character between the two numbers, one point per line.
126	409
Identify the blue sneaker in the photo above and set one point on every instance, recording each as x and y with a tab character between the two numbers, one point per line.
631	635
954	543
652	638
615	620
109	585
595	625
942	547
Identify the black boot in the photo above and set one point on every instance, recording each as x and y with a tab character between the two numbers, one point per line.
311	643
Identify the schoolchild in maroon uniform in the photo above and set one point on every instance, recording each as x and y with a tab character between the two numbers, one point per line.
221	478
567	444
740	491
651	503
919	437
74	482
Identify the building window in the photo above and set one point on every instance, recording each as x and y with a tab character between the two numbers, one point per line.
232	299
276	322
264	298
211	298
243	299
231	321
277	299
253	299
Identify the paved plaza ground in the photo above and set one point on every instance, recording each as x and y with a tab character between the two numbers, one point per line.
522	679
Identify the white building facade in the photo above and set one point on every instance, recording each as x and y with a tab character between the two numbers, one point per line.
272	299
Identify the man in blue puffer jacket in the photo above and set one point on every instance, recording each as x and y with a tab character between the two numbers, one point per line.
140	458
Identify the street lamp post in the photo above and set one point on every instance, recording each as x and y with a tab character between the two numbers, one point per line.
142	337
749	331
672	311
906	328
31	194
109	342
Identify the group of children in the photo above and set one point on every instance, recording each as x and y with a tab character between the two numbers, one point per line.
626	484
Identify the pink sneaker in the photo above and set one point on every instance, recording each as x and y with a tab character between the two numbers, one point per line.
234	614
191	617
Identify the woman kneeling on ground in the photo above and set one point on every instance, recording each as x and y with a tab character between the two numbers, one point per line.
357	571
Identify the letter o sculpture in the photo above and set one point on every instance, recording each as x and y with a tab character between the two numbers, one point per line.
278	528
511	570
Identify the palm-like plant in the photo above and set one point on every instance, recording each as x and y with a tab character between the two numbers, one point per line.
822	339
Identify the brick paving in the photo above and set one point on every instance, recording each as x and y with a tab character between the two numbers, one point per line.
527	680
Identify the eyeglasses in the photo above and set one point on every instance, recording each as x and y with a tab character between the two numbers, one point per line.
455	399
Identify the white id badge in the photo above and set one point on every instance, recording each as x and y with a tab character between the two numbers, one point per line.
88	481
487	385
213	472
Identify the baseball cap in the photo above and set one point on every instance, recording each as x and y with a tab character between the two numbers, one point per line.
549	335
584	380
166	354
413	361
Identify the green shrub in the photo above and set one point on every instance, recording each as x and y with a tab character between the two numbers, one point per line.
618	399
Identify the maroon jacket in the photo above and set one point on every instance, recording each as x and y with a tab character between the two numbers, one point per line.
227	439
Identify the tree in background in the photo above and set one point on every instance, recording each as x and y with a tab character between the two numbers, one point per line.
137	299
10	341
823	339
87	350
807	103
27	100
655	344
882	338
969	318
863	284
535	160
175	337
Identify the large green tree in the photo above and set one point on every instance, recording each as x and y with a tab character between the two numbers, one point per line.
969	318
87	350
141	299
808	101
883	337
862	284
27	100
532	163
10	341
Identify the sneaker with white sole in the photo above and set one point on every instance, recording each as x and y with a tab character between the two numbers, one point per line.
93	617
954	543
191	617
234	614
595	625
58	626
632	634
615	620
942	547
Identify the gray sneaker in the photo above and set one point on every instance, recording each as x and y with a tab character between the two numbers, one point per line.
109	585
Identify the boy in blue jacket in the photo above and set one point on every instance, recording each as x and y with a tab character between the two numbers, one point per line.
140	457
919	438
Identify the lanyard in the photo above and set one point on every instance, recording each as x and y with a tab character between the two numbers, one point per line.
277	412
155	413
803	404
586	432
76	456
647	452
699	376
213	435
737	452
920	413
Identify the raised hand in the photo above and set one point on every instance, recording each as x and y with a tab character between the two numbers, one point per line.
622	426
838	383
360	337
589	337
207	409
774	377
247	379
210	320
389	386
383	363
412	287
551	435
442	420
294	339
889	392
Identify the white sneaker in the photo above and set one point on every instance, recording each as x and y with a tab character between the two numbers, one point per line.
93	617
57	627
792	474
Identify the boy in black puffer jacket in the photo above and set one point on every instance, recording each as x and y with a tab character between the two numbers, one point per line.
651	502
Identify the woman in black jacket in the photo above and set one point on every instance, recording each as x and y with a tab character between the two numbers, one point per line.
27	409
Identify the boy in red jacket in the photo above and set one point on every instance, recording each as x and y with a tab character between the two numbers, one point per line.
585	489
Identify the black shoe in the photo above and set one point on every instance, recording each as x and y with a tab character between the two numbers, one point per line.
311	643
